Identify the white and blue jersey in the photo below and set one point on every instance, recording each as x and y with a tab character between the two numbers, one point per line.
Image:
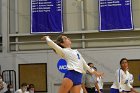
100	84
121	82
131	78
74	59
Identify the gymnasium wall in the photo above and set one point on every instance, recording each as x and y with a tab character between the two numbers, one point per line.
17	28
24	48
105	59
71	14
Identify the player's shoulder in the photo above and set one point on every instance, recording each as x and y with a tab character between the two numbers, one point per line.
119	71
66	50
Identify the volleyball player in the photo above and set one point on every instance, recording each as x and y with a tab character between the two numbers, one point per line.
75	64
122	81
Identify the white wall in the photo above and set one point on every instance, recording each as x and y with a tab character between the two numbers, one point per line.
105	59
7	61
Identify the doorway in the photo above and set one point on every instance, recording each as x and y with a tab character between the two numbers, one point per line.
134	68
35	73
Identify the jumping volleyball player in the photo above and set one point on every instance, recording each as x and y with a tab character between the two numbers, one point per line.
75	64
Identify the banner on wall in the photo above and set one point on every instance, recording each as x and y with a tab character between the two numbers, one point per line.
62	65
46	16
115	15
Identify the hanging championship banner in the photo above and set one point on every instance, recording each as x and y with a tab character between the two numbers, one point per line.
46	16
115	15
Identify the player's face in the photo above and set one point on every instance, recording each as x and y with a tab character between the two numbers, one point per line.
66	42
91	65
124	65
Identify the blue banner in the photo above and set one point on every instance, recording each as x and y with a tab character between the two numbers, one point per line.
115	15
46	16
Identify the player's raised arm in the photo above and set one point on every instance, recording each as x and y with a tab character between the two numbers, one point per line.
53	45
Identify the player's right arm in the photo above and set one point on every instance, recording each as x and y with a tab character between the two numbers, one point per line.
53	45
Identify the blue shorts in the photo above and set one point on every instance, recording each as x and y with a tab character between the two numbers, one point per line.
112	90
117	91
75	76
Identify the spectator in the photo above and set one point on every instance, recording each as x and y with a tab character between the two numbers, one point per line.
31	88
23	89
10	88
3	85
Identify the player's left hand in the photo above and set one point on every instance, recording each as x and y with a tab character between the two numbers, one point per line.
43	38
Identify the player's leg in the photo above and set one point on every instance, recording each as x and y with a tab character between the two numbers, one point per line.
75	89
65	86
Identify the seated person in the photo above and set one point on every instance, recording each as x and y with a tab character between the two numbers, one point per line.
3	85
31	88
23	89
10	88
